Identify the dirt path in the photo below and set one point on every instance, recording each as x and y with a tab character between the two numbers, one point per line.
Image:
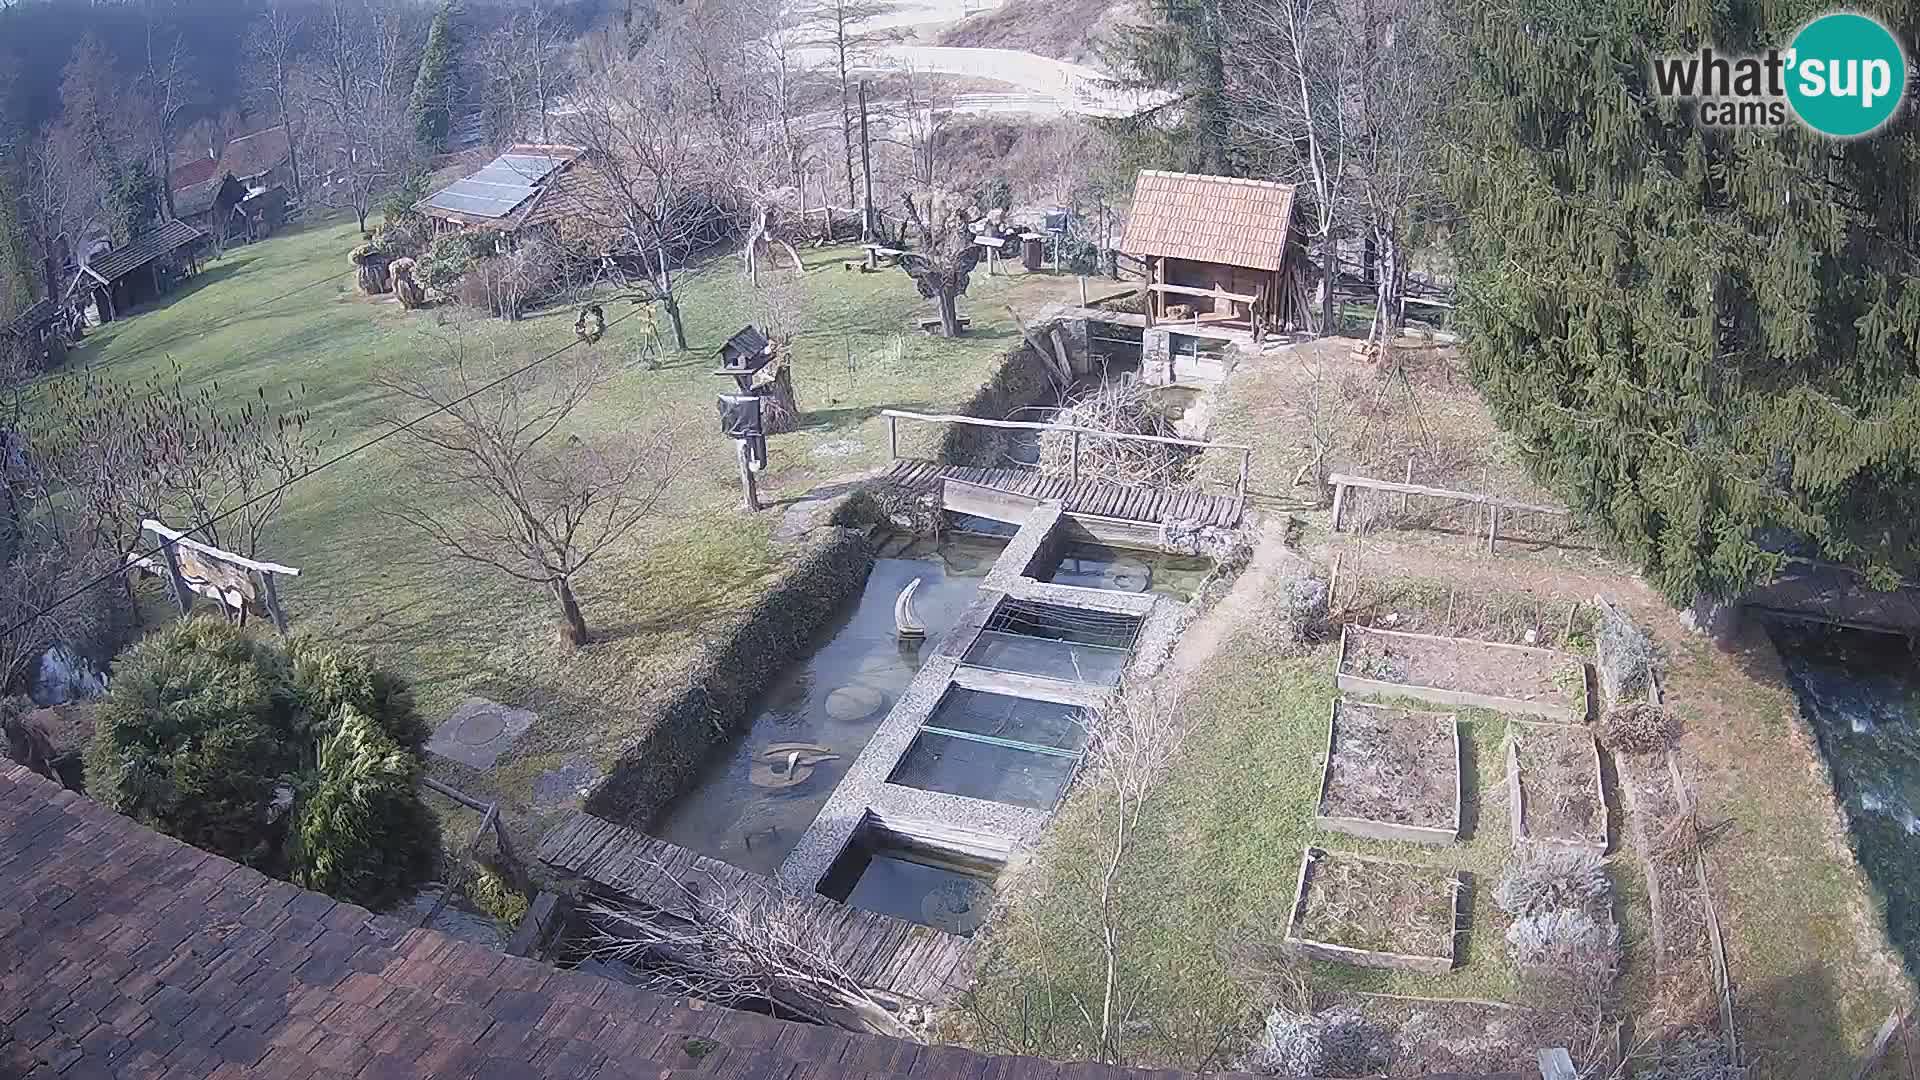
1273	565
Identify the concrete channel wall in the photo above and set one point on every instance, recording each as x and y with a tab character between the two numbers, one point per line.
971	826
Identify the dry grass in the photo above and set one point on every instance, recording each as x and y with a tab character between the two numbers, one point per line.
1380	906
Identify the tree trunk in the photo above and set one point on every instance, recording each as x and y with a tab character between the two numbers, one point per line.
679	328
1330	276
573	625
1388	290
779	411
949	315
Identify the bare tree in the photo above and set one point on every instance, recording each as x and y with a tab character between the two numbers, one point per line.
505	484
845	30
1290	84
360	89
655	160
525	64
165	86
62	201
943	254
921	113
272	57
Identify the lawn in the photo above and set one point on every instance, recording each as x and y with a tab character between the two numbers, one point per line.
283	315
1213	865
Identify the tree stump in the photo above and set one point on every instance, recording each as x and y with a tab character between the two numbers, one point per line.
773	385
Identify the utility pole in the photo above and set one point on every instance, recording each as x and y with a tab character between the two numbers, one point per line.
868	226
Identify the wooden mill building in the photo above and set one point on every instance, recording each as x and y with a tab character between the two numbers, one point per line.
1221	252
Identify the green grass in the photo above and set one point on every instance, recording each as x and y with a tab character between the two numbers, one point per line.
1216	859
284	315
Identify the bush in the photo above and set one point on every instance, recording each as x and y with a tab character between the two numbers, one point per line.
1638	728
212	737
1540	880
360	832
451	256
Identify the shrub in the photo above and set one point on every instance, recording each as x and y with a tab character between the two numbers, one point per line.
451	256
1539	880
208	734
360	832
1623	656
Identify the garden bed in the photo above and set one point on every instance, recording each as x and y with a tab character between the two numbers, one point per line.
1553	775
1391	774
1375	913
1516	679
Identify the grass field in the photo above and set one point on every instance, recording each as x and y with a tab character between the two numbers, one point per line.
283	314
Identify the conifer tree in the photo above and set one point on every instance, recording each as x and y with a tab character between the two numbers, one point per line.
17	270
1705	338
435	88
1180	47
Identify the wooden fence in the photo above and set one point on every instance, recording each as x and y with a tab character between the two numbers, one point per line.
894	416
1494	504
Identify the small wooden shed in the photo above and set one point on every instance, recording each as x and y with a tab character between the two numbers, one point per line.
1219	250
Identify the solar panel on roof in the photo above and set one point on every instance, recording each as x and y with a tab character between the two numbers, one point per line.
498	187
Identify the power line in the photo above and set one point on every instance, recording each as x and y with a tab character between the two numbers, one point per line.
278	488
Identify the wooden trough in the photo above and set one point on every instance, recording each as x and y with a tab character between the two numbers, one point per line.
1381	829
1571	712
1369	958
1519	797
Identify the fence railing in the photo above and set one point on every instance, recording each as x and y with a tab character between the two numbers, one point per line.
894	416
1494	504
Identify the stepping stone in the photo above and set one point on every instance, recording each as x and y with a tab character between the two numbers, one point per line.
479	731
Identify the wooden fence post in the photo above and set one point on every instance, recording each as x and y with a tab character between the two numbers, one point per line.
1403	495
1339	500
1073	467
893	437
273	603
1246	466
750	494
182	595
1493	525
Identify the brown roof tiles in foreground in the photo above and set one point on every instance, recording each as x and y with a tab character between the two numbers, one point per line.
1217	219
127	954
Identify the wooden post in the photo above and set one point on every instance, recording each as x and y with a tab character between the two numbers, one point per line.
182	595
1083	290
1246	466
750	495
273	604
1556	1064
868	225
1403	495
1073	460
1339	500
1493	525
893	438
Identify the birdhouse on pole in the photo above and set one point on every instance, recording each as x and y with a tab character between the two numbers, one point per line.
744	354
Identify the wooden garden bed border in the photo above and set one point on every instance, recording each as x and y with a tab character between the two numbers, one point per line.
1373	828
1360	684
1516	799
1368	958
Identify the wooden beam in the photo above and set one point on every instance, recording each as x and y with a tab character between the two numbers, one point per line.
1443	493
186	541
1216	293
1028	425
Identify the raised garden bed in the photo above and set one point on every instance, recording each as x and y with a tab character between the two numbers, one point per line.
1515	679
1375	913
1553	775
1391	774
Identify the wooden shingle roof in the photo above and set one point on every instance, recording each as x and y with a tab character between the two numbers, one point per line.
1216	219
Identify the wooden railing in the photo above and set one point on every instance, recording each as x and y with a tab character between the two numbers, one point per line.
1494	504
894	416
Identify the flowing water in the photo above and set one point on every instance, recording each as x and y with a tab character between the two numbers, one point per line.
1095	567
1859	690
755	798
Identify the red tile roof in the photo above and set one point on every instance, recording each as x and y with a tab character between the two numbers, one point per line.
255	153
1217	219
124	953
197	171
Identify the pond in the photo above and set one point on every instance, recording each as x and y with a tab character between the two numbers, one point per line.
754	799
891	877
1093	566
1858	690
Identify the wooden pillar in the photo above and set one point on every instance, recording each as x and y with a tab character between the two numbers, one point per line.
893	438
1339	500
749	492
182	595
274	610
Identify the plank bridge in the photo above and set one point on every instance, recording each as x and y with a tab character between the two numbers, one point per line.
1008	494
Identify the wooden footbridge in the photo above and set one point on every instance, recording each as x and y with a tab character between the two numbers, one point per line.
1008	494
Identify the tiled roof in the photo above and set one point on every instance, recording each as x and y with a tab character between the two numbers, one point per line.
255	153
161	240
197	171
124	953
1217	219
199	198
31	317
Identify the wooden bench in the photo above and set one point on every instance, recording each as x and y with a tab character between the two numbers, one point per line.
928	326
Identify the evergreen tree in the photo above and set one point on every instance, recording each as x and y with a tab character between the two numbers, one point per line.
133	202
18	273
1179	48
1704	338
434	88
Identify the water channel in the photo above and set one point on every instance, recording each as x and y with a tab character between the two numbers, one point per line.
751	803
1859	691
